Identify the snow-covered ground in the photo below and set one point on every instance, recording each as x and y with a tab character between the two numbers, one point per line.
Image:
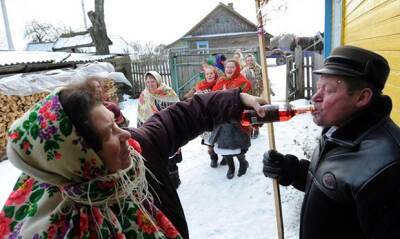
218	208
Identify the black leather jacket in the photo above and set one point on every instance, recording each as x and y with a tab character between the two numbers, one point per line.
352	185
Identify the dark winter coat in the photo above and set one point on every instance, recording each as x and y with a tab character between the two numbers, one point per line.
166	131
352	185
230	136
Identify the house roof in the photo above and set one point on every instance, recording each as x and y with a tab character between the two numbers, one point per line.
229	9
9	58
84	40
42	46
219	35
75	41
189	34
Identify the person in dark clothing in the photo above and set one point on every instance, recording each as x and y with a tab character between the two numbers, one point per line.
167	130
220	64
232	139
352	183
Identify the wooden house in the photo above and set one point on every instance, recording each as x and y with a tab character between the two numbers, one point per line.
370	24
223	27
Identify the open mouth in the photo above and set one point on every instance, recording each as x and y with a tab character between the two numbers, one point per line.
315	111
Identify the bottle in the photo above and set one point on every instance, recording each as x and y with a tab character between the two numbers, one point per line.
273	113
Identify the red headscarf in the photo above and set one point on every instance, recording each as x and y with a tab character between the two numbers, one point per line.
236	81
207	85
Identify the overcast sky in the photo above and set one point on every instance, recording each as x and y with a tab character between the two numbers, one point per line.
159	21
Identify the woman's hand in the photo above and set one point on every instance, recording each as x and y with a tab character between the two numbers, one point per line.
254	102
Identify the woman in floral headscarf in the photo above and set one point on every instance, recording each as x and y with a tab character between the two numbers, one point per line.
232	139
155	97
79	180
84	177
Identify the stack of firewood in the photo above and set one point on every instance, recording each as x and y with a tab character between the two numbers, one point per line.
11	108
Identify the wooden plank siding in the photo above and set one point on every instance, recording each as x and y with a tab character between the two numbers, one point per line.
375	25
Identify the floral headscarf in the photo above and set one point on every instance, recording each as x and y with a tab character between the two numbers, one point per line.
66	191
147	100
253	73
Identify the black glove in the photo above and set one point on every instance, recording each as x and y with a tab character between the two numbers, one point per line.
282	167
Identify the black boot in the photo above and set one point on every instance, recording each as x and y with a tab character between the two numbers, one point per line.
213	157
223	161
243	164
174	176
254	131
231	166
214	161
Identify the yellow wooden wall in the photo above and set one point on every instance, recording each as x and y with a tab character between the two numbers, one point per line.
375	25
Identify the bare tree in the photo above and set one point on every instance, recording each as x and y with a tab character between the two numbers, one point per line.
149	50
274	8
98	31
38	32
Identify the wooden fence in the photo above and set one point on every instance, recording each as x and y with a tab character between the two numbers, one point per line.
180	70
300	81
139	68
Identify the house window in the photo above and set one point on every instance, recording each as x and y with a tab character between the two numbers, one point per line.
202	46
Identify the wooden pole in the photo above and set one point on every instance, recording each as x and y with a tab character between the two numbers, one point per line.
271	136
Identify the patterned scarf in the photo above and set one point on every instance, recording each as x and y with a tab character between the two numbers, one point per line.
253	73
147	100
66	191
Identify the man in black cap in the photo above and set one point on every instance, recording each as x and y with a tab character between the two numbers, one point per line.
352	183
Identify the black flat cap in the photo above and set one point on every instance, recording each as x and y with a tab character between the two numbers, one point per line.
356	63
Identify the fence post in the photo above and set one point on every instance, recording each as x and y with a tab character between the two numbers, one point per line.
299	61
174	75
317	63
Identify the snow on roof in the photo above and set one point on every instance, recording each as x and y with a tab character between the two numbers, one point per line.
71	42
120	46
28	57
84	42
44	46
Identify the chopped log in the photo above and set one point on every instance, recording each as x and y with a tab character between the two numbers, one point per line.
13	107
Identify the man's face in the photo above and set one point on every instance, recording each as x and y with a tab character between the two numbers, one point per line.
333	104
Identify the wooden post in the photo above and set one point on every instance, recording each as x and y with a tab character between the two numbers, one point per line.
271	136
299	62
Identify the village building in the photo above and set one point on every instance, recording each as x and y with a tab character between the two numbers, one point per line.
223	27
